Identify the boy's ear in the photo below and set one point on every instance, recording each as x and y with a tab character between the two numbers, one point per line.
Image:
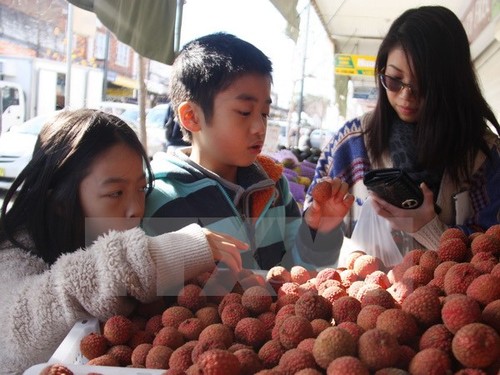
189	116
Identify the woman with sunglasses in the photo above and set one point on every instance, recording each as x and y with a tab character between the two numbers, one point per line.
430	120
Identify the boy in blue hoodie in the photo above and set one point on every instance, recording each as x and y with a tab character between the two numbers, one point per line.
220	88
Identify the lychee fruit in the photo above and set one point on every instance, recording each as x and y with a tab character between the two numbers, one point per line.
436	336
443	267
377	296
233	313
333	343
430	361
476	345
294	360
400	324
319	325
257	299
430	260
367	317
138	357
418	275
312	306
208	315
485	243
104	360
484	289
378	277
153	325
250	331
118	329
460	311
424	305
293	330
351	258
321	192
123	353
491	314
299	274
192	297
454	249
181	357
191	328
494	231
56	369
93	345
353	328
218	361
270	353
366	264
169	336
347	365
250	362
174	315
454	233
459	277
227	299
412	257
345	309
378	349
217	332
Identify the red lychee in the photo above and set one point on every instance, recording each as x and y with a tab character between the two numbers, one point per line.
322	191
333	343
93	345
257	299
430	361
378	349
218	361
118	329
476	345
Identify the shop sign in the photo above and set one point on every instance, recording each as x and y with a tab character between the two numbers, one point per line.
354	65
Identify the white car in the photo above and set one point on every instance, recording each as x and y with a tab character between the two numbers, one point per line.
16	147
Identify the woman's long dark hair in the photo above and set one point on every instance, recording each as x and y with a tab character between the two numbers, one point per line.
454	113
45	196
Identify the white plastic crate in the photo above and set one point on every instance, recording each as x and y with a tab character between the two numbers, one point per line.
68	353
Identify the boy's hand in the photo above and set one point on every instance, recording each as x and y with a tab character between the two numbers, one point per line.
331	202
226	249
407	220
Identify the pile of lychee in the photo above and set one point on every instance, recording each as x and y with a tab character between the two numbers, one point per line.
437	312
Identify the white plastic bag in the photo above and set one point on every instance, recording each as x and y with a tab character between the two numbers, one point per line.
373	235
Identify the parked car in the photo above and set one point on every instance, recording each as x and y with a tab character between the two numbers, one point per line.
155	127
16	147
130	113
117	108
320	137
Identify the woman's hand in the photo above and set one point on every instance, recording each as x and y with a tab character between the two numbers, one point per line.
326	215
226	249
407	220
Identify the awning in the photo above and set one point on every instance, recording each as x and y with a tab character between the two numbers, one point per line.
148	26
125	82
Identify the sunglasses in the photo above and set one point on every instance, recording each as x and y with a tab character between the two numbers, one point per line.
396	85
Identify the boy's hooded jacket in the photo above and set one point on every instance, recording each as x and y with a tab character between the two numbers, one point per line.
259	210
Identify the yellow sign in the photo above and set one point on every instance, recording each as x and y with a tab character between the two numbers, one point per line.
354	65
2	172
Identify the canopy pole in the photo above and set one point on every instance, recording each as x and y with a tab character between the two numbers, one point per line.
69	58
178	25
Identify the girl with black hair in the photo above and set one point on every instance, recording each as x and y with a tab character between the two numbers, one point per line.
70	242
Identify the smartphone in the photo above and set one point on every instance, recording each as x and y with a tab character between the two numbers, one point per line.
394	186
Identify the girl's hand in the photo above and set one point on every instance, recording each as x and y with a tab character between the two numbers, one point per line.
226	249
326	215
407	220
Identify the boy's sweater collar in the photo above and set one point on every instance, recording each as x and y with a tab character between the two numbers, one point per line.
260	176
